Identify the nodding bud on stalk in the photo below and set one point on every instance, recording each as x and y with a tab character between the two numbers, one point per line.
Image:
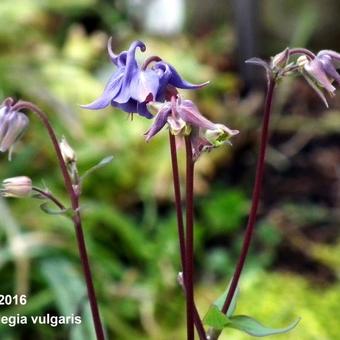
12	125
67	152
320	70
20	186
323	69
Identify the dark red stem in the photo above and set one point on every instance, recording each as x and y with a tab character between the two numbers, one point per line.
178	200
49	196
302	51
74	198
256	196
189	245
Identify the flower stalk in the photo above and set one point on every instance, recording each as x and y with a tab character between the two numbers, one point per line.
49	196
73	193
256	194
181	232
189	246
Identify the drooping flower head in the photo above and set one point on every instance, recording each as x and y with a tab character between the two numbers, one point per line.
319	70
183	118
330	61
131	87
12	125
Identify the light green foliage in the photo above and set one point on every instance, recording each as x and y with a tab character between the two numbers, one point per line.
276	299
70	296
252	327
218	321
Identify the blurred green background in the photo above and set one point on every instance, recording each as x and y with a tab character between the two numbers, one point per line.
53	53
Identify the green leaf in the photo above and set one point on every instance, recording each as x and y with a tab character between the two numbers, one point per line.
45	208
69	290
215	318
104	162
219	302
251	326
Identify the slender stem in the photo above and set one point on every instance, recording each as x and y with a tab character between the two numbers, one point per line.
189	245
177	193
43	117
49	196
302	51
255	197
74	198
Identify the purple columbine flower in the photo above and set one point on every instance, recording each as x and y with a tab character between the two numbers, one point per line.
321	71
330	61
184	118
12	125
132	87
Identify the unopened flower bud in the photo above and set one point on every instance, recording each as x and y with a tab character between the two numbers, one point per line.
67	152
281	59
20	186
